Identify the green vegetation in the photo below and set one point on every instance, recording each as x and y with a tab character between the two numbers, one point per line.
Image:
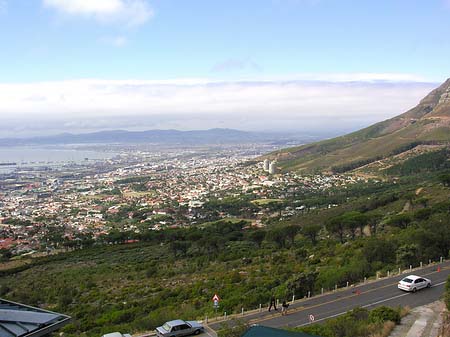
447	294
427	162
174	273
357	323
353	165
260	202
134	281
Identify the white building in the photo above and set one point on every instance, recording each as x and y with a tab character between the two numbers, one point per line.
266	165
272	167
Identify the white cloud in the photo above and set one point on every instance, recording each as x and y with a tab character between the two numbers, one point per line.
203	103
130	12
358	77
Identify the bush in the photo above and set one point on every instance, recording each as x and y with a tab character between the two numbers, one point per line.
447	294
384	314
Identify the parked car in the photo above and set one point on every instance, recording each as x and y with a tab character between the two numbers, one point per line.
116	334
179	327
414	283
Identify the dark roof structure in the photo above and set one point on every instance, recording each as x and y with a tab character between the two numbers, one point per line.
19	320
263	331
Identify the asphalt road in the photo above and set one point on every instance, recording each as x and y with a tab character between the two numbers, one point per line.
369	295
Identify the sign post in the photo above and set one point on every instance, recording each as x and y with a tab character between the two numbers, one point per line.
216	300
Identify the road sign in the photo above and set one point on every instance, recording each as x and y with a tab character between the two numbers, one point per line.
311	318
216	300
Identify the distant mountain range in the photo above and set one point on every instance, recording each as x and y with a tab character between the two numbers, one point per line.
426	127
196	137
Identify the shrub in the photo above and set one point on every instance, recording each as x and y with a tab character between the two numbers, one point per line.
447	293
384	314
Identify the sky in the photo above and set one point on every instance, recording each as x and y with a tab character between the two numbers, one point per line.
297	65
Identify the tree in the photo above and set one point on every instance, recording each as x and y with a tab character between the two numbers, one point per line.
290	232
400	220
301	283
311	231
277	236
363	220
276	206
179	248
257	237
353	220
379	250
336	226
407	255
373	222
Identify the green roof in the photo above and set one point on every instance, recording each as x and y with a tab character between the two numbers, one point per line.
263	331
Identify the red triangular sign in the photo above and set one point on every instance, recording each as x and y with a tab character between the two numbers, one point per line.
216	298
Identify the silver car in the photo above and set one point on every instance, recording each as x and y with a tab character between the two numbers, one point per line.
116	334
179	327
414	283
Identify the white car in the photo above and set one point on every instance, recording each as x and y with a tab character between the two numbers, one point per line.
179	328
414	283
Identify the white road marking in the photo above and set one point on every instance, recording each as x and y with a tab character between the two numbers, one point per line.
385	300
367	305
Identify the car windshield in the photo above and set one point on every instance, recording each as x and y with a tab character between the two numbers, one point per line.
407	280
166	327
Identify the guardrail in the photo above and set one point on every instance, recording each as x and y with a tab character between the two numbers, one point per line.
323	292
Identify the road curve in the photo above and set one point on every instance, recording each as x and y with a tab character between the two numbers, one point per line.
369	295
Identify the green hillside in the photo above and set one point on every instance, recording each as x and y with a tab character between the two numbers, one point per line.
427	125
170	274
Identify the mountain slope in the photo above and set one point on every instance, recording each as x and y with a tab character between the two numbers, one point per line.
427	124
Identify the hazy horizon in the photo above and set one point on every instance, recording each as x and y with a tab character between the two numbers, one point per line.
270	106
272	65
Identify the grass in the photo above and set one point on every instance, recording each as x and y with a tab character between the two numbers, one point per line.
261	202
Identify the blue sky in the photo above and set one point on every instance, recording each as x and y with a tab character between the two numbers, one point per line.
135	46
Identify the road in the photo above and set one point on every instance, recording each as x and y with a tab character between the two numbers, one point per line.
369	295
